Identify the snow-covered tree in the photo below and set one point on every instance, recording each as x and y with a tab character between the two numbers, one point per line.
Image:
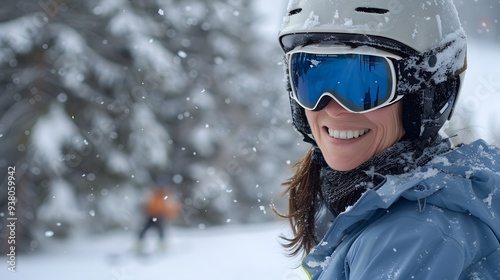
101	96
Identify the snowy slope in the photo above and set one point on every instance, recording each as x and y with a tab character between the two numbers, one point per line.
244	253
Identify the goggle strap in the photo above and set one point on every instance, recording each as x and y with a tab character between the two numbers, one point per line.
417	72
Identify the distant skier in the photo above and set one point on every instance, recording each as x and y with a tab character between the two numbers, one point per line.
159	208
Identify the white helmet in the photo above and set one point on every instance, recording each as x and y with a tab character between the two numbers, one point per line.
426	34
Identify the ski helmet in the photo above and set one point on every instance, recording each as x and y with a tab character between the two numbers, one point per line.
427	35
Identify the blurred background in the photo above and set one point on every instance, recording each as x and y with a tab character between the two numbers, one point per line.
103	100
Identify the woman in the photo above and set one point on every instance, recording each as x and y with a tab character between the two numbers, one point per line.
371	84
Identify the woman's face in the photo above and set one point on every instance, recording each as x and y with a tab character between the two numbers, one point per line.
349	139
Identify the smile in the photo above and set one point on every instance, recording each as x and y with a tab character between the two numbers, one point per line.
348	134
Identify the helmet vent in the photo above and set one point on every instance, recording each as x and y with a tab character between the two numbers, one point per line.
371	10
295	11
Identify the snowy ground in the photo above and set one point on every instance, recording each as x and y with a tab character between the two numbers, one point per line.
247	252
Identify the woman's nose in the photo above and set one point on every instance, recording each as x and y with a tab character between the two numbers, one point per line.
333	108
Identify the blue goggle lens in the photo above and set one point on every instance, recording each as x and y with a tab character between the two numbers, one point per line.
359	82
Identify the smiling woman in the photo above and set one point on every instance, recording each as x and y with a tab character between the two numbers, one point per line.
370	89
348	139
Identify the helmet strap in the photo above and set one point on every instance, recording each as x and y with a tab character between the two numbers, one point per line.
425	113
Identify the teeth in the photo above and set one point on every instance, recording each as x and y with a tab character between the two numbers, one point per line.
349	134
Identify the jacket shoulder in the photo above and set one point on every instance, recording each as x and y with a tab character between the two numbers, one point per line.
478	155
435	238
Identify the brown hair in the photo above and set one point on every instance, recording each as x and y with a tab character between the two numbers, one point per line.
303	192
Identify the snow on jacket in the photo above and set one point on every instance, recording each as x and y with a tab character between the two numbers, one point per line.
441	221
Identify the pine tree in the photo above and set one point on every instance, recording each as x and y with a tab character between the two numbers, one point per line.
102	99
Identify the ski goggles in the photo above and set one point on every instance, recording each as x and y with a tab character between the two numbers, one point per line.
360	80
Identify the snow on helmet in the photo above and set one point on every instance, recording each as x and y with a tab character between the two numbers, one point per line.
426	34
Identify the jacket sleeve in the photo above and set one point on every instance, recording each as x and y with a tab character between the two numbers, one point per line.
410	246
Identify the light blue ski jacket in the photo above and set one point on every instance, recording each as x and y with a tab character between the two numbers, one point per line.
440	222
